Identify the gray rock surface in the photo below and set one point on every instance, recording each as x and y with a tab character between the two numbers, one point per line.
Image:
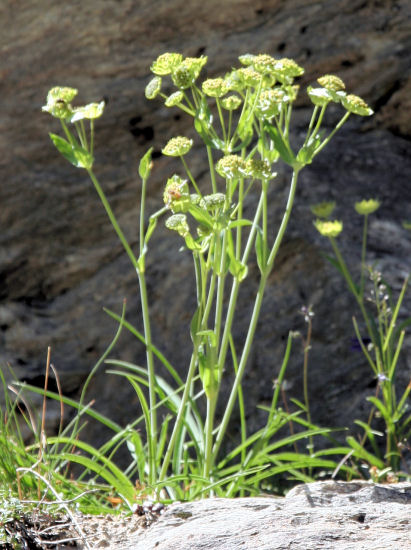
60	262
324	515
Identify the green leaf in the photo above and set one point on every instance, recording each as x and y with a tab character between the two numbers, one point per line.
76	155
261	251
360	452
203	124
282	146
144	168
239	223
195	325
306	154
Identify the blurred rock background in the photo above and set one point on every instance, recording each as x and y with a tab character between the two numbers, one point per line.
60	261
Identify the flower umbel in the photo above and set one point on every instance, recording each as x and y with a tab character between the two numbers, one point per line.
356	105
166	63
231	167
323	209
366	207
329	228
331	82
177	147
215	87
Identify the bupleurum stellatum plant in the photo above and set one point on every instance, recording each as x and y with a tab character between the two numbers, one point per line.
381	454
244	121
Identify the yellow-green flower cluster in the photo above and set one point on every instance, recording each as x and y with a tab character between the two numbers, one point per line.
259	169
333	90
323	209
248	77
58	102
319	96
90	111
329	229
59	106
187	72
366	207
178	222
176	195
216	200
264	64
177	147
331	82
166	63
284	70
153	88
269	102
215	87
231	167
356	105
231	102
183	71
174	99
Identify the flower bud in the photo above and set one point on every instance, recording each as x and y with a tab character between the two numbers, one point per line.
174	99
153	88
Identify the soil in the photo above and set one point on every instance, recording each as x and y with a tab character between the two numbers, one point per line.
39	531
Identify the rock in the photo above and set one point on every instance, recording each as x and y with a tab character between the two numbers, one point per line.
60	262
329	515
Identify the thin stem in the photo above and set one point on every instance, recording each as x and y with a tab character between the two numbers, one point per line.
180	416
235	289
113	219
255	315
329	137
310	127
363	252
351	286
150	369
220	114
212	169
189	174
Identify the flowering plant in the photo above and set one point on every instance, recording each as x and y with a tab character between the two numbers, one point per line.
244	121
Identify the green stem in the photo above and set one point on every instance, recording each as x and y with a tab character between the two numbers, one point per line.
211	406
212	169
310	127
351	286
113	219
363	252
180	416
144	305
189	174
327	139
235	289
255	315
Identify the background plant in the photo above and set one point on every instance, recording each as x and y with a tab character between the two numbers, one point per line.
243	119
381	348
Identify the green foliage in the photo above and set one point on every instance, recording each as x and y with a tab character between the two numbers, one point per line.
380	316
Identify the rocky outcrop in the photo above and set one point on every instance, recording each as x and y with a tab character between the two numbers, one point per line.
60	263
326	515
